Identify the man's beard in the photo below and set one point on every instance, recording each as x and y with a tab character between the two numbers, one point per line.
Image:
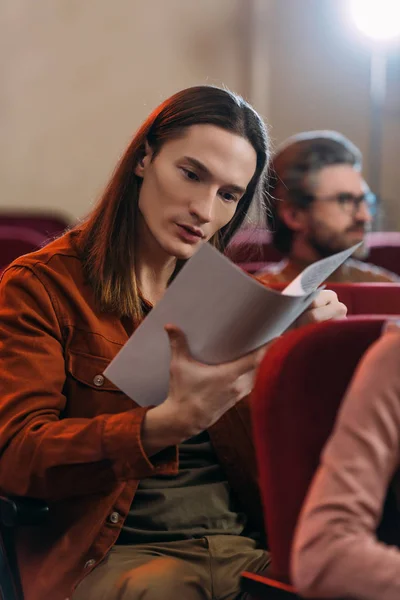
326	244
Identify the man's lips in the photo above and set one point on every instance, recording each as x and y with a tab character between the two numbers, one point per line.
359	230
192	230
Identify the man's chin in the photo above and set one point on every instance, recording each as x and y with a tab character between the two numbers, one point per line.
185	251
362	252
324	249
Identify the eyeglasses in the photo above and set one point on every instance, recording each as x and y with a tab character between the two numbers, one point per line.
351	204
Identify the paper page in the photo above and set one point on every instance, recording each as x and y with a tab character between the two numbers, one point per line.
316	273
223	312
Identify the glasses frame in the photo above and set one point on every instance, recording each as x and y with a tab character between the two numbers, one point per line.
350	203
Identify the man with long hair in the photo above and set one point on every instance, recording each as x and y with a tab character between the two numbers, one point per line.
159	502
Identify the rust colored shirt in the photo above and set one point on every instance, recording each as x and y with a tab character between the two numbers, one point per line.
67	434
352	271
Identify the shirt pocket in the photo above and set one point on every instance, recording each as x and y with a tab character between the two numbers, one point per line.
88	391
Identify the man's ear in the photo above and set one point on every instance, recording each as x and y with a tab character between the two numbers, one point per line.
144	161
294	217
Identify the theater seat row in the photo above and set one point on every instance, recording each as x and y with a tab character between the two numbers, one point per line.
252	249
21	233
298	391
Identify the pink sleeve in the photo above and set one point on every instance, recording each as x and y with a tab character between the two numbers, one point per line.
335	552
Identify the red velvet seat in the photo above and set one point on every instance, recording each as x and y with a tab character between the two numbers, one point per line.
253	245
252	248
16	241
48	224
385	249
366	298
253	267
299	387
369	298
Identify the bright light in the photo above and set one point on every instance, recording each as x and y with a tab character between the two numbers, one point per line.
378	19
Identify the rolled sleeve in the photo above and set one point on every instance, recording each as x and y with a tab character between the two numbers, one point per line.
123	445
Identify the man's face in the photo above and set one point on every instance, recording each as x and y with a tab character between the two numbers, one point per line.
329	225
192	188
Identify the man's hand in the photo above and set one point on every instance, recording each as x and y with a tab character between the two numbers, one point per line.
326	306
199	394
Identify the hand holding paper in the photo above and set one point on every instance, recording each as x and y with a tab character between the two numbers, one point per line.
224	314
199	394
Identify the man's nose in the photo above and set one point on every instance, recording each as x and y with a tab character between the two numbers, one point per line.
363	212
202	205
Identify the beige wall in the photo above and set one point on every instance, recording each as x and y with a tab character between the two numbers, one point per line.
319	76
79	76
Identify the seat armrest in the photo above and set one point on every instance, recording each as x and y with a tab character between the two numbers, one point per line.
17	511
259	587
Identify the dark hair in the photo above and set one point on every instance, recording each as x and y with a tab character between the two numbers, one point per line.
109	231
291	171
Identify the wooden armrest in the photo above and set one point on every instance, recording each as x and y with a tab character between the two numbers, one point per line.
17	511
259	587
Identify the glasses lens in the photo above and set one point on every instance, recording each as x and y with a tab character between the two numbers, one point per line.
371	202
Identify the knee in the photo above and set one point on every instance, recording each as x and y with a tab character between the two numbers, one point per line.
161	579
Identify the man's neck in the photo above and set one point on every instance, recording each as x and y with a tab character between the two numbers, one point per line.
153	267
153	279
303	253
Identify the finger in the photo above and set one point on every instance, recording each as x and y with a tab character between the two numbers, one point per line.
177	341
324	297
249	362
245	384
327	312
391	326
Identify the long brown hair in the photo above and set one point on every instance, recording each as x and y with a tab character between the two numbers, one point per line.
109	231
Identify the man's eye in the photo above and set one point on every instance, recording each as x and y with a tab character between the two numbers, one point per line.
190	174
345	198
228	197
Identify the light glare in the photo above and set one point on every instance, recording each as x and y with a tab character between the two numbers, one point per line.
378	19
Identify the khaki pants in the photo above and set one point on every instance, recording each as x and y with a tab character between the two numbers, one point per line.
208	568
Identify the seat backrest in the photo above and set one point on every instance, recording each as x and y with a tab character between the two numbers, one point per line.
364	298
253	248
252	267
48	224
298	390
16	241
384	249
369	298
253	245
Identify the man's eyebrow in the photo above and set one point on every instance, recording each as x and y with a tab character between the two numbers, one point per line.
202	167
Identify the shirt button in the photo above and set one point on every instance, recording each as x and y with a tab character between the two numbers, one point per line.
114	517
89	563
98	380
